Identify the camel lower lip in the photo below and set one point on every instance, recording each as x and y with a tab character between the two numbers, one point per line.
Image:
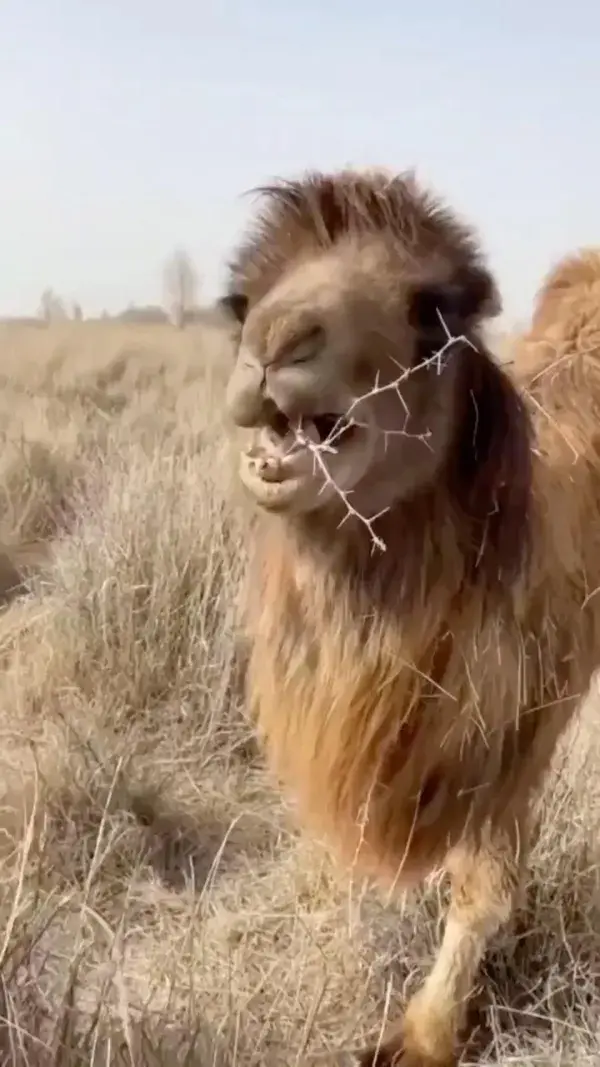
272	471
275	457
271	492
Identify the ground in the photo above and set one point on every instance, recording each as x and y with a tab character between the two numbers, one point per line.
159	906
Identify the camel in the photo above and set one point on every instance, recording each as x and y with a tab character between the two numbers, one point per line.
420	602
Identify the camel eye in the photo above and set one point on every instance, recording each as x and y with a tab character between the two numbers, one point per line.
303	347
303	356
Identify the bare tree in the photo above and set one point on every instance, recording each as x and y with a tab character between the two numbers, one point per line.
52	308
181	286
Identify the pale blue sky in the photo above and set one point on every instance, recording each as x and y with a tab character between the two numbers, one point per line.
130	127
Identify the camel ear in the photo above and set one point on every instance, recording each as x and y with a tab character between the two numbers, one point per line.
471	294
234	306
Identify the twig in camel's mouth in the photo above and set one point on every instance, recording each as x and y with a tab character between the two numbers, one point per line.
282	447
325	428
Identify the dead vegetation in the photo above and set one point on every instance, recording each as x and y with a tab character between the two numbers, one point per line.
158	906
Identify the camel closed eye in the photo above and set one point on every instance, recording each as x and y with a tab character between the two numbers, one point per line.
303	347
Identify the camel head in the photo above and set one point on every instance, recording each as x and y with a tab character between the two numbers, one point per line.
346	295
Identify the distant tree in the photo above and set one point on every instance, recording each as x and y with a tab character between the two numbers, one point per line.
52	308
181	287
77	312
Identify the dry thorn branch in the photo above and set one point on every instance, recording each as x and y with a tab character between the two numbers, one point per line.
319	449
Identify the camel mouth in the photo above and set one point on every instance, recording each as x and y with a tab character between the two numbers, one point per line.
289	457
324	428
331	428
286	446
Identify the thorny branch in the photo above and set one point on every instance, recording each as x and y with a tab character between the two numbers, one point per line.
320	449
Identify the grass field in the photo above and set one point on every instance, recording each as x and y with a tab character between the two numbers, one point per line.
158	905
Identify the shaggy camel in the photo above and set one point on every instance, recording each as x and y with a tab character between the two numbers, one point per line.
421	598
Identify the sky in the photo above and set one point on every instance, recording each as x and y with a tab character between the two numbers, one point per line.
130	128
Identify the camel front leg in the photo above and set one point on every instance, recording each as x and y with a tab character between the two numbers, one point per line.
485	885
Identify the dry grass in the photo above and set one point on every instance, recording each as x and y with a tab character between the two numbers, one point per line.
158	906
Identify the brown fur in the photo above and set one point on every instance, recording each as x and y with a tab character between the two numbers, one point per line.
574	283
411	700
310	216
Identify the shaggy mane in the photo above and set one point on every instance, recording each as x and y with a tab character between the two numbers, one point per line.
572	278
300	217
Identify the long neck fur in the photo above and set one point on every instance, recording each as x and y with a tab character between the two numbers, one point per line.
373	671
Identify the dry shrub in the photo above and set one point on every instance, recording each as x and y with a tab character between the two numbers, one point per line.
158	906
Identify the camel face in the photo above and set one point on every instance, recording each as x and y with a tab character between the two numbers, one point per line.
347	382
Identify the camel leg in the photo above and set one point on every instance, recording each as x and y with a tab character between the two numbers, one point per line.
485	886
